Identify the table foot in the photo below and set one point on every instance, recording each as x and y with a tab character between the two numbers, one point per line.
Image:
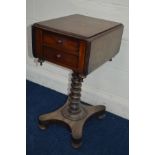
76	143
43	125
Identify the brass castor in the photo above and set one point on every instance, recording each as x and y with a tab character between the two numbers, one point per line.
101	116
43	125
76	143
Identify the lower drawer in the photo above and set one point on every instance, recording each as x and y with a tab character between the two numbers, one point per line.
60	58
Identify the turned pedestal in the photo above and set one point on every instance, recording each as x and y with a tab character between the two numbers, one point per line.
73	113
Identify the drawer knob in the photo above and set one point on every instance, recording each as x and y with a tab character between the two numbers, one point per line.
60	41
58	55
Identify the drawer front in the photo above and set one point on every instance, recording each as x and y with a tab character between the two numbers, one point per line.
60	58
60	42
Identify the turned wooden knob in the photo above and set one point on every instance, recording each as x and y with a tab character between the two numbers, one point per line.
60	41
58	55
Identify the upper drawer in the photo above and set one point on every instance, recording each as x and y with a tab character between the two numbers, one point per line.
60	42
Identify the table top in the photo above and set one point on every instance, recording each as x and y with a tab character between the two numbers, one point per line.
78	25
78	42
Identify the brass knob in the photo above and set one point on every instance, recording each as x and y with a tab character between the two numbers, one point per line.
58	55
60	41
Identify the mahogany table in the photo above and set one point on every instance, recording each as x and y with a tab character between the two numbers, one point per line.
82	44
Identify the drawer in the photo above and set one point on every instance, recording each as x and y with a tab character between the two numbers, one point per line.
60	58
60	42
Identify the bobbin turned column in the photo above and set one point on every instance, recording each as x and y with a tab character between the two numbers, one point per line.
74	110
75	94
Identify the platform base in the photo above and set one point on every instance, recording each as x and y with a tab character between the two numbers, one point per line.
75	123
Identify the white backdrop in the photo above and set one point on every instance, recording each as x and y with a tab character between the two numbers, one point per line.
108	84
